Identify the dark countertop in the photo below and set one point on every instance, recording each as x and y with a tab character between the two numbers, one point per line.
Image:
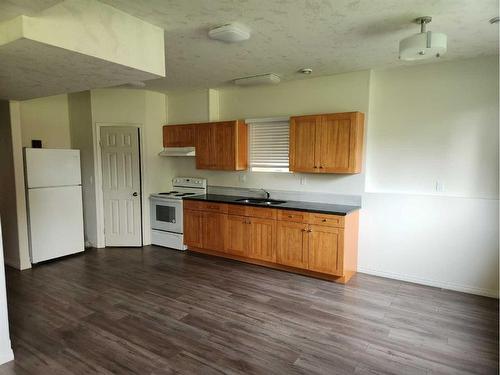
324	208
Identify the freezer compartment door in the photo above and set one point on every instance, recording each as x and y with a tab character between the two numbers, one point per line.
56	222
52	167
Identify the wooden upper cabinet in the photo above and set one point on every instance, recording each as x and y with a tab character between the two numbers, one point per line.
303	143
222	145
204	144
225	145
178	136
330	143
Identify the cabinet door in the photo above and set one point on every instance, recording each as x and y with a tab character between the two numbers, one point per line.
193	228
238	239
178	136
303	150
325	249
262	239
292	245
334	138
224	133
205	146
214	231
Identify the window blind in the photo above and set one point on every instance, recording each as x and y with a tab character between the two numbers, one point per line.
269	139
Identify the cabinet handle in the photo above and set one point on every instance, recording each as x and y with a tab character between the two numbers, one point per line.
321	166
290	216
315	167
309	230
324	220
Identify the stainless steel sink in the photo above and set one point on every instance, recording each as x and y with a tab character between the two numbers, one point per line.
263	201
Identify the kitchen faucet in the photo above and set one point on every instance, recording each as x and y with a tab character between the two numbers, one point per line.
268	195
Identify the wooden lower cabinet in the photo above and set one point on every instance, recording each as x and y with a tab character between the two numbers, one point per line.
292	244
238	235
288	240
262	239
193	228
205	229
214	231
325	249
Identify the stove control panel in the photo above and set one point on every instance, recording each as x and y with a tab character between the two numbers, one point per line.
194	182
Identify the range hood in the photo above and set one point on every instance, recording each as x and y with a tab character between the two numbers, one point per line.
178	151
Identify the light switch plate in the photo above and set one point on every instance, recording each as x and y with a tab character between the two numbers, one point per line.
303	179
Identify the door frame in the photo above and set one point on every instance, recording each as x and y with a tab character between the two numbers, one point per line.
101	237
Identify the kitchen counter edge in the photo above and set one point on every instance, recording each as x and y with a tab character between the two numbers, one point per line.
318	207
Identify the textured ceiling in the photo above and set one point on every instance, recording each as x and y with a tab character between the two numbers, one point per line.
330	36
29	69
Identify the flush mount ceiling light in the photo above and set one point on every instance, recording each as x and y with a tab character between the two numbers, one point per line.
137	84
262	79
424	45
229	33
306	71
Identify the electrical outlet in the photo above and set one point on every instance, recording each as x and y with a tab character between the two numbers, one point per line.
242	177
439	186
303	180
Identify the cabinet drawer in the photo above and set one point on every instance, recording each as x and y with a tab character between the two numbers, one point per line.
213	207
205	206
192	205
295	216
237	209
326	220
261	212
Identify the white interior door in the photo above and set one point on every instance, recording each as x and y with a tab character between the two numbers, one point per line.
121	185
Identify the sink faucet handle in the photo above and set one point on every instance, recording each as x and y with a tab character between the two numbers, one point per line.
268	195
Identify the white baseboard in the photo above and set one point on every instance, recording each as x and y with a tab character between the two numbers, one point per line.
6	355
439	284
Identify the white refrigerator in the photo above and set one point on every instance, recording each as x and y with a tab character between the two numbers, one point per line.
54	198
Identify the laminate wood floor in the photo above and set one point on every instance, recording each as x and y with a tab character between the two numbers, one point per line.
159	311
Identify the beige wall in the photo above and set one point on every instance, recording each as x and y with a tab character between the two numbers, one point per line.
435	123
188	106
12	200
8	189
426	124
80	121
148	110
17	157
342	92
337	93
46	119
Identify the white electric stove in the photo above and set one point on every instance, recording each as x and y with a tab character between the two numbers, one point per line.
166	211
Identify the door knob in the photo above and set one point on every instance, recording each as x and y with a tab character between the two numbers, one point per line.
134	193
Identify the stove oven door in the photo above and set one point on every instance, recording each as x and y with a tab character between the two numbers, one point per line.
166	215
